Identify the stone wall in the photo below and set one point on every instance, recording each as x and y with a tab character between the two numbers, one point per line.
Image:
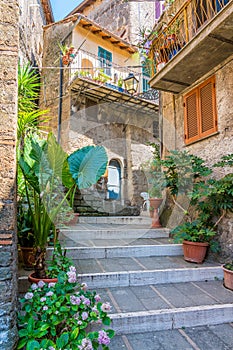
123	18
31	23
8	114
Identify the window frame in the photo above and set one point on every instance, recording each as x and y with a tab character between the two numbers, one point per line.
200	134
102	60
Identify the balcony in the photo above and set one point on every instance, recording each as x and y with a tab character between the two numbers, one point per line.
103	80
197	39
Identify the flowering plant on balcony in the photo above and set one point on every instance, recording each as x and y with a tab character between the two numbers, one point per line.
60	316
68	53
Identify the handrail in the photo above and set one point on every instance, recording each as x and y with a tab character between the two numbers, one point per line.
189	20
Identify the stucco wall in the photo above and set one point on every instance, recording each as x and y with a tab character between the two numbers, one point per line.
212	148
9	17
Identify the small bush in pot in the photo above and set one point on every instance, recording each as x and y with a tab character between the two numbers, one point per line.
228	275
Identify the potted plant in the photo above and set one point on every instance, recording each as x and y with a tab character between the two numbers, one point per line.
196	238
47	169
209	198
228	275
155	179
61	314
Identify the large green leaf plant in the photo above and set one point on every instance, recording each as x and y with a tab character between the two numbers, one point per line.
50	177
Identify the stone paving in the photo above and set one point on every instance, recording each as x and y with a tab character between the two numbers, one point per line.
159	301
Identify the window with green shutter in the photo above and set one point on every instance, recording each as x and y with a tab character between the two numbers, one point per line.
200	112
105	59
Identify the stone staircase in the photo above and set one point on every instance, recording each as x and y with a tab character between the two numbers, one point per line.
155	295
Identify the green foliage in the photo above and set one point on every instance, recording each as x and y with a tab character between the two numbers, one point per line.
195	231
154	173
182	170
210	198
229	266
44	165
58	315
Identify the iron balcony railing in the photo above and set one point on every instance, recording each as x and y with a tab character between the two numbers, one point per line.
89	66
184	26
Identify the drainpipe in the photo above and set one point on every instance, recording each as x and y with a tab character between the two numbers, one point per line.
61	83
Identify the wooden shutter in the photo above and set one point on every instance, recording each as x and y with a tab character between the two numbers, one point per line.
191	117
200	112
208	122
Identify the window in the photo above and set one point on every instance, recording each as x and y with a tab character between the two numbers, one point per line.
105	58
200	112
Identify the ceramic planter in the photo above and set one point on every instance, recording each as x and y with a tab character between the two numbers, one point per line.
228	278
155	204
28	257
33	279
195	251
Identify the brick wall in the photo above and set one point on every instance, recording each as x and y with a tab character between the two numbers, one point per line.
8	113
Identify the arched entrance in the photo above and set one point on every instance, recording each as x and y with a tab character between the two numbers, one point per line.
114	179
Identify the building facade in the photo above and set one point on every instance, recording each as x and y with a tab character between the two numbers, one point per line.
89	104
194	72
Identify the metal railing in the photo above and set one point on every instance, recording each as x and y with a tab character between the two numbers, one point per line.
100	70
185	25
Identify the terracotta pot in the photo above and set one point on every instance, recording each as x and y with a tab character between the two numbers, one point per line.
28	257
228	278
74	220
195	251
33	279
155	204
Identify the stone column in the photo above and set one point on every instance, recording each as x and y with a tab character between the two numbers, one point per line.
9	17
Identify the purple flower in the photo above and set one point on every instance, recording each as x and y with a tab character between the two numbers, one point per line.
72	278
97	298
105	307
34	286
87	302
45	308
86	345
51	285
84	315
103	338
80	323
75	300
41	284
42	299
84	287
51	348
28	296
49	294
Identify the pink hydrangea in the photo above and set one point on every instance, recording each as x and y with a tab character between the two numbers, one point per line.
72	278
86	345
28	296
84	287
41	284
103	338
97	298
84	315
105	307
75	300
34	286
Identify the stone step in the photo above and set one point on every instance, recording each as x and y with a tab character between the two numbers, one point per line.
214	337
79	232
135	322
120	220
122	251
163	306
141	278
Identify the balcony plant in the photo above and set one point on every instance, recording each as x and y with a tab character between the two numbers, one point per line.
60	315
46	170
